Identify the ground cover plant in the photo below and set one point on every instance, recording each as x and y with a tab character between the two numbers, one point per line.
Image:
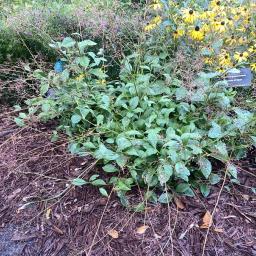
147	126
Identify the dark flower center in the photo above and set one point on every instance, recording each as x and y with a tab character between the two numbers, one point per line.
241	55
191	12
197	28
222	23
218	3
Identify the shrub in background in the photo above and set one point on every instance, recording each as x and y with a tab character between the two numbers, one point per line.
114	25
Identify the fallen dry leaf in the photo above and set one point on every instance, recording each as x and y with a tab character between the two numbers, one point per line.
113	233
207	220
179	203
141	230
219	230
48	213
58	230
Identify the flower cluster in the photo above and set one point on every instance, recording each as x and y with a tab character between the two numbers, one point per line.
224	31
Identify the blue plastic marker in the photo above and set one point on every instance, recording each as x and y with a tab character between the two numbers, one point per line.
59	66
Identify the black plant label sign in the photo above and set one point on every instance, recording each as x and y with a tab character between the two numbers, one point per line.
239	78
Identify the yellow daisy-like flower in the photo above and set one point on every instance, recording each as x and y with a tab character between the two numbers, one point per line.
220	69
240	57
156	5
208	60
252	49
253	67
224	59
189	16
221	26
231	40
242	40
178	33
215	3
153	23
150	27
197	34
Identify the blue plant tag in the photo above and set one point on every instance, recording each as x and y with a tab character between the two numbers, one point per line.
59	66
239	77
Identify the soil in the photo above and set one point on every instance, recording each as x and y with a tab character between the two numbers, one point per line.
42	215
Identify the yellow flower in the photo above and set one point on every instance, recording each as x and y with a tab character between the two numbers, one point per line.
231	40
208	60
215	3
220	69
221	26
242	40
150	27
189	16
156	5
253	67
80	77
101	82
157	20
224	59
178	33
252	49
240	57
197	34
153	23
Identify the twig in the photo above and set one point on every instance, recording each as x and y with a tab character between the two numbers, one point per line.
214	210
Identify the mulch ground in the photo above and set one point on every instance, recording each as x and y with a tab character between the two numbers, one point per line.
41	214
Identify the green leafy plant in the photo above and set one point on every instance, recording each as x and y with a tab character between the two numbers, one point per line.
146	129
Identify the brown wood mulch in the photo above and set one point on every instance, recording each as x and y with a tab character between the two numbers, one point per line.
41	214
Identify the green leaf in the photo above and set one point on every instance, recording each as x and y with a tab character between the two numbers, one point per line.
79	182
83	44
84	112
89	145
94	177
205	190
121	161
164	173
185	189
19	122
215	131
22	115
75	119
122	186
153	136
103	191
44	89
83	61
104	153
68	42
110	168
98	182
98	73
122	143
46	107
253	140
205	167
220	151
182	187
214	178
134	102
165	198
182	171
181	93
232	170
